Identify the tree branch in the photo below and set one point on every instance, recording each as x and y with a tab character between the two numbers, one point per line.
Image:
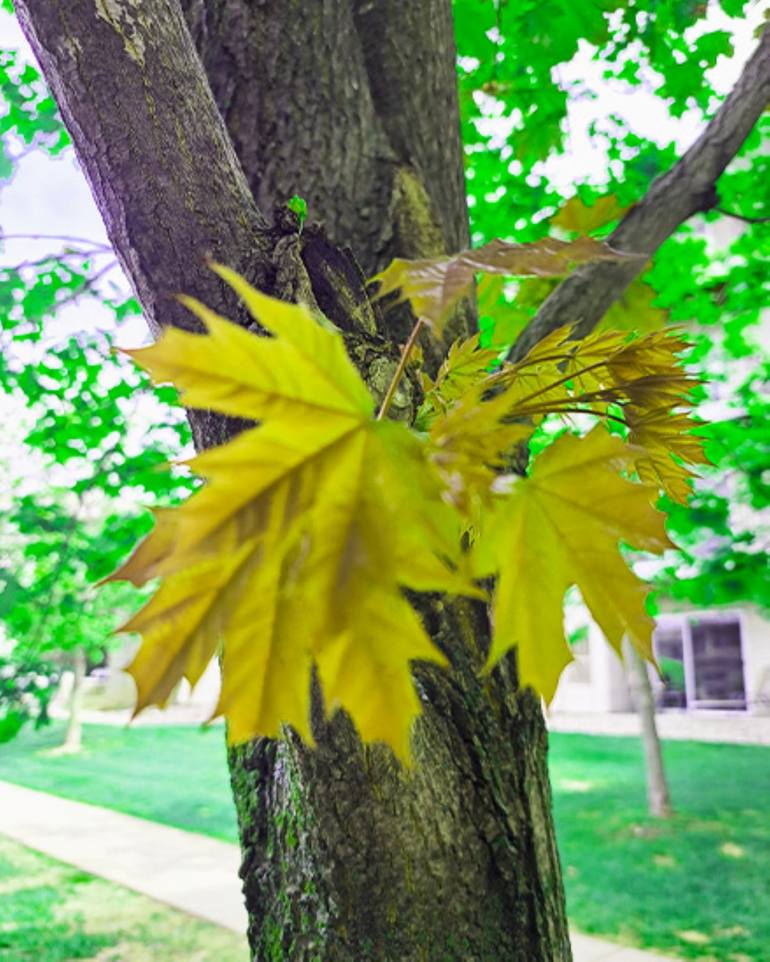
584	297
744	217
134	97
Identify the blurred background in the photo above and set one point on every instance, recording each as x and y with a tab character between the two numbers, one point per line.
661	780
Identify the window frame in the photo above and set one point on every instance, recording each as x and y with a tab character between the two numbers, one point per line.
683	622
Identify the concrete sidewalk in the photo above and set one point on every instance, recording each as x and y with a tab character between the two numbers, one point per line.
191	872
585	948
196	874
736	728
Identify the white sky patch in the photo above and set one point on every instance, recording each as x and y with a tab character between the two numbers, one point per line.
645	113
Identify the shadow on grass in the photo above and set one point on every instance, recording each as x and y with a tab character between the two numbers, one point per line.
30	929
52	912
694	885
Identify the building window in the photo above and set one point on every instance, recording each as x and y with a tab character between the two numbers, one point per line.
701	661
669	650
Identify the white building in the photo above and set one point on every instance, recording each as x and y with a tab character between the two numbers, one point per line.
718	659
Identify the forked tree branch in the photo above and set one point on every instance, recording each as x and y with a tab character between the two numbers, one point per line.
584	297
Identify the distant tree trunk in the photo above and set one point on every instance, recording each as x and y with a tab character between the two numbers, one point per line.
73	738
658	798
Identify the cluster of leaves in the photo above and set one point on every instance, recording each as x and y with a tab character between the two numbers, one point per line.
297	547
520	82
724	543
511	72
722	532
62	527
511	63
49	604
29	119
27	684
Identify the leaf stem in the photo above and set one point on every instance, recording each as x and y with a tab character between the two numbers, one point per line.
596	414
567	377
399	372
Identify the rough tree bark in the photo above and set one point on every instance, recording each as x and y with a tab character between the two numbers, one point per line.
354	106
345	856
658	797
329	100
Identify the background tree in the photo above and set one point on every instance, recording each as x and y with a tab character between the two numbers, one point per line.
321	100
26	687
72	509
69	518
643	698
68	404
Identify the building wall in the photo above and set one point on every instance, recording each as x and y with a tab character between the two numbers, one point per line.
755	645
596	681
755	630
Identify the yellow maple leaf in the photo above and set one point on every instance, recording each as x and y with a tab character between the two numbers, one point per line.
642	377
561	527
634	310
474	428
576	215
295	550
466	364
435	285
468	445
663	435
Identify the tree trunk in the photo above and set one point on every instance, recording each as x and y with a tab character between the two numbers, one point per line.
658	798
346	856
73	738
351	104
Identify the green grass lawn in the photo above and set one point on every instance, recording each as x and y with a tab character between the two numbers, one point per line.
50	912
174	775
696	886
